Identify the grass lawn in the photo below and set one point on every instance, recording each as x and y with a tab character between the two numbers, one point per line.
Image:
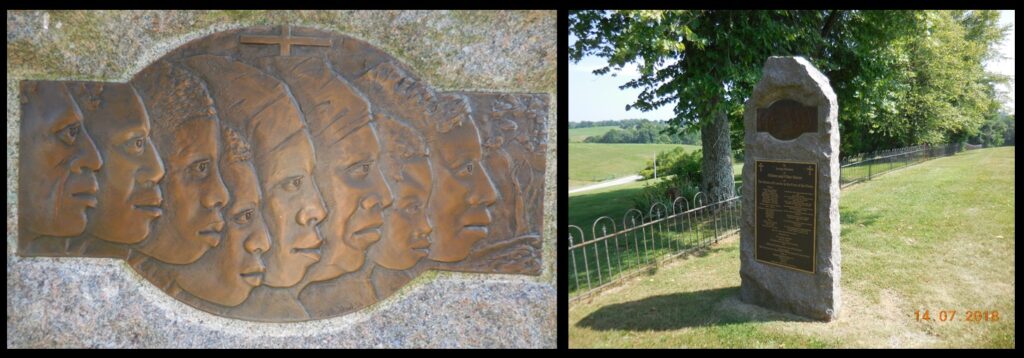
595	162
613	202
937	236
579	134
587	206
863	171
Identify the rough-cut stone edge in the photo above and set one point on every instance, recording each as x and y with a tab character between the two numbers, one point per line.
817	295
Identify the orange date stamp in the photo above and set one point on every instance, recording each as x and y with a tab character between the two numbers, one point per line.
975	316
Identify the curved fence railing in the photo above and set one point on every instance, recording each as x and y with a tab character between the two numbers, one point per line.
617	250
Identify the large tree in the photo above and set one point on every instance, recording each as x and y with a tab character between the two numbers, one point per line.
706	62
901	77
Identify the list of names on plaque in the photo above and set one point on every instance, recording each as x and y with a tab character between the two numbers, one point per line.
784	206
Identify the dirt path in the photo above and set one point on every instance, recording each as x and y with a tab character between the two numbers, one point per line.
613	182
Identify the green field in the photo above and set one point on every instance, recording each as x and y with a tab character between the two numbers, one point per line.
587	206
597	162
936	236
629	252
579	134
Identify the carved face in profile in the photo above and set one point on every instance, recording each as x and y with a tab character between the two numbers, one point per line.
129	198
227	273
406	227
195	194
61	182
263	109
460	209
356	192
293	208
406	168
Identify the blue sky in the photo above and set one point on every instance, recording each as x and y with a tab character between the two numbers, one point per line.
593	97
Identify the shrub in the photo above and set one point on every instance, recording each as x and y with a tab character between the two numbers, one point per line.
681	171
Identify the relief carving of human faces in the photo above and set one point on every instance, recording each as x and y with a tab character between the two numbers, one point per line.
129	197
237	161
464	193
227	273
61	182
195	195
293	208
357	195
406	226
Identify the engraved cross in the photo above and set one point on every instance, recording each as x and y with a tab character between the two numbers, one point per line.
286	40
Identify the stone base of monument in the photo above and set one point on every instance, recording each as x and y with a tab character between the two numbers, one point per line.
804	297
789	247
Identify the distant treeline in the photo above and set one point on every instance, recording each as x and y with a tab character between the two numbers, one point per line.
637	131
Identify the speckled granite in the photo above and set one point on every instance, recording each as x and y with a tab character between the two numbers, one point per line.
77	302
815	295
81	302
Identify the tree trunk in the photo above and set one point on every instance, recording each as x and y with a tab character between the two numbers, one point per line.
716	164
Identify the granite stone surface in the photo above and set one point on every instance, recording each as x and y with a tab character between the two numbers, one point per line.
817	295
84	302
80	302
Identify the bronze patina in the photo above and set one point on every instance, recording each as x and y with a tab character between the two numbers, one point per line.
282	174
787	119
785	214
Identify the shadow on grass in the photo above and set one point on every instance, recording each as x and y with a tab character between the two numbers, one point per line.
715	307
647	268
853	216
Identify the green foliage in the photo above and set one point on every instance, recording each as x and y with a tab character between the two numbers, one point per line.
901	77
898	236
682	173
704	61
578	135
677	161
595	162
621	123
665	192
996	131
642	131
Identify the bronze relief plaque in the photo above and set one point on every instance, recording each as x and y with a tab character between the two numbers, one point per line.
787	119
785	214
282	174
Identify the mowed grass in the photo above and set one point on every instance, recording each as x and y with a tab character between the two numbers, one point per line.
579	134
585	208
614	201
938	236
596	162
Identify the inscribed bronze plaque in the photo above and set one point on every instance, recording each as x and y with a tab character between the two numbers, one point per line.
787	119
282	174
785	214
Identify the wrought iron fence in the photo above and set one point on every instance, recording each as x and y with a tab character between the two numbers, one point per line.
612	253
857	168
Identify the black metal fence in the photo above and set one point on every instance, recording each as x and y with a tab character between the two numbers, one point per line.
861	167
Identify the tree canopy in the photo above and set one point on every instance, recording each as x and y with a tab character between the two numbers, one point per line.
902	77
